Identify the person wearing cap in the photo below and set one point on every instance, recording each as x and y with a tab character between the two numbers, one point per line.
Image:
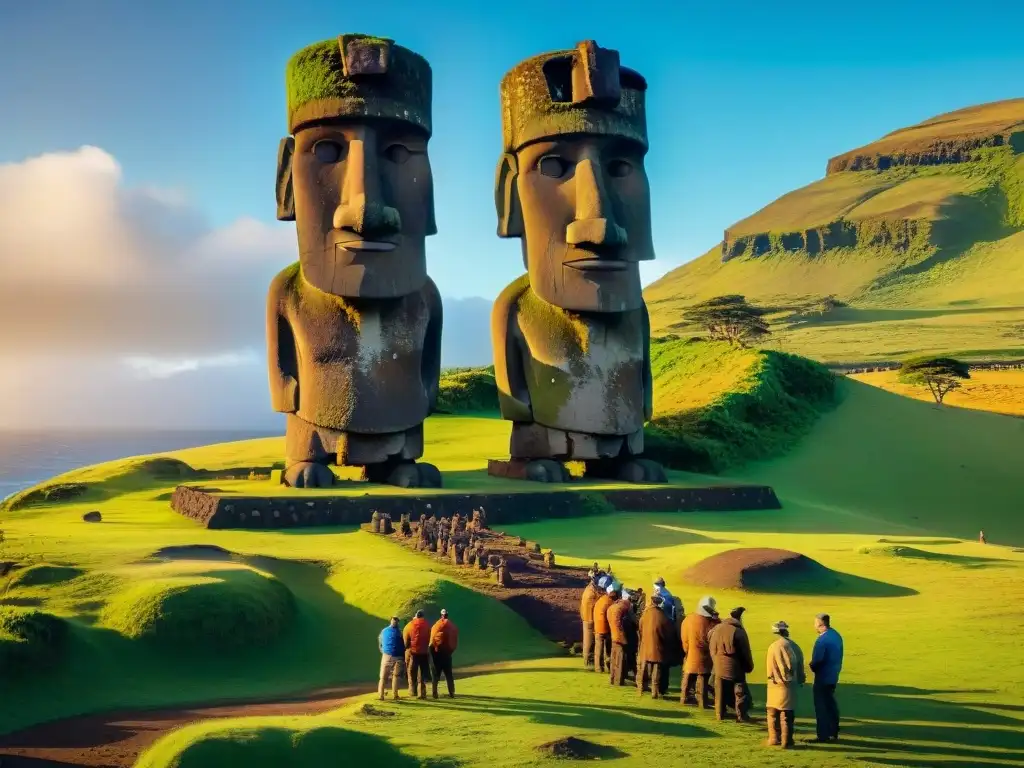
602	632
826	664
571	337
697	665
784	673
417	639
658	649
444	640
392	652
587	602
622	630
355	178
729	646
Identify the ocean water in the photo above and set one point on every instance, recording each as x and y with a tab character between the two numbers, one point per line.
27	458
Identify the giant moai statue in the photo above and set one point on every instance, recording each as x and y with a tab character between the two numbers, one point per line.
354	328
571	337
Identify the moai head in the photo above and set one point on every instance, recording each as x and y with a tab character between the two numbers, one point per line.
571	183
355	176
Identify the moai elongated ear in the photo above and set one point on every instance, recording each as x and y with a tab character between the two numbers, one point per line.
506	197
431	216
285	197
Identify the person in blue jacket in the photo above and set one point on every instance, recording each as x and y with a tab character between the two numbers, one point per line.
392	657
826	664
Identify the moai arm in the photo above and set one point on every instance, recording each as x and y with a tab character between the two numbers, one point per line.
509	371
281	362
648	382
431	367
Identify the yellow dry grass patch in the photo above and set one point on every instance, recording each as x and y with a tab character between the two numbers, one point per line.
996	391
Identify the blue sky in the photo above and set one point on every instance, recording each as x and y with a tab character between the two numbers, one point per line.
747	100
151	255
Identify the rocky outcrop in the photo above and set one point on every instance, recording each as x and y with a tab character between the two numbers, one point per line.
961	149
898	234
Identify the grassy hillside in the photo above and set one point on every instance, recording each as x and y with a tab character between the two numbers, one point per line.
873	494
924	244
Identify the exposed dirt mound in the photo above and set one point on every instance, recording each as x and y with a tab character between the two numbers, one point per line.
192	552
755	569
571	748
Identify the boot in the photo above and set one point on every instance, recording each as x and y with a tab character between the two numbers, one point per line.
435	690
395	694
773	728
788	718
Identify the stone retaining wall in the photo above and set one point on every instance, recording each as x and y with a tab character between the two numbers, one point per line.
212	510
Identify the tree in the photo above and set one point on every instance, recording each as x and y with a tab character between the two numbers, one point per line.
940	374
827	304
729	318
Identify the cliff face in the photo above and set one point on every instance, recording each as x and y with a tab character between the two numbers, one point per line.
900	192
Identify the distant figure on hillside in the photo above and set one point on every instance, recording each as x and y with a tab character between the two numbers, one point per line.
658	649
697	664
392	652
784	673
826	664
590	595
417	640
981	537
602	632
444	640
730	654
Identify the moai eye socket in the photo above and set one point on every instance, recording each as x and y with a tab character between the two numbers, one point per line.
397	153
619	168
327	151
553	166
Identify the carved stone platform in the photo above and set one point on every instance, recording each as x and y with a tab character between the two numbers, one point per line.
213	508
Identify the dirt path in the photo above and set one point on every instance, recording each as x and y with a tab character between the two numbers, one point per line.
116	739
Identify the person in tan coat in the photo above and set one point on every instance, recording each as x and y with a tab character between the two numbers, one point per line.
659	649
697	665
590	595
602	632
732	660
784	673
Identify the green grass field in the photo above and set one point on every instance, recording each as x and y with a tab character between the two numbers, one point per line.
884	490
958	287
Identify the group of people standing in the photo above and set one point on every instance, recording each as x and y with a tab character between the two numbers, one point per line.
646	640
413	650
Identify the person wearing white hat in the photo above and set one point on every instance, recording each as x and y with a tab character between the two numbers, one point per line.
697	665
784	671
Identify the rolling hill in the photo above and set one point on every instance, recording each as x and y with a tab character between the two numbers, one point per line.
919	236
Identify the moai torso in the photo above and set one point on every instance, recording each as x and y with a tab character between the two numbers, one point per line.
359	364
584	372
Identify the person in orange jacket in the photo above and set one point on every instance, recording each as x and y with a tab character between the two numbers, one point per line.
417	640
602	632
444	640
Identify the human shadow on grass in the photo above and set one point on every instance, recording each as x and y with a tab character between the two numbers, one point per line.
893	718
912	553
604	540
607	718
830	583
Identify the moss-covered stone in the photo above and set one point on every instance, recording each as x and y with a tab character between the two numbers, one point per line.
318	87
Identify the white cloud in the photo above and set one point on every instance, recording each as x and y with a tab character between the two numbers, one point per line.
164	368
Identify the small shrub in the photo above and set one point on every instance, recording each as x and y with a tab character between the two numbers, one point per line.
468	390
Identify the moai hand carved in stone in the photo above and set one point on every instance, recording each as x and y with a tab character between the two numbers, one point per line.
571	337
354	328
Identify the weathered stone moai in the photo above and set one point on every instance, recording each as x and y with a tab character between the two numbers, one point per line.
455	554
406	526
549	559
387	526
504	577
482	559
469	556
375	521
455	524
354	328
571	337
482	520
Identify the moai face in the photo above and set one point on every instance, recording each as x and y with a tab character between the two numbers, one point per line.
356	177
572	183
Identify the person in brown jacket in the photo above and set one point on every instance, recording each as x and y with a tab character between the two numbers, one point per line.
697	664
730	654
621	626
602	633
444	640
417	642
590	595
658	649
